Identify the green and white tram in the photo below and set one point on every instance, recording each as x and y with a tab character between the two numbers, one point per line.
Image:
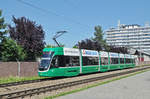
72	62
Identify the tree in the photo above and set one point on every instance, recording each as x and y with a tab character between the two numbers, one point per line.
3	31
29	35
98	34
11	51
3	25
99	37
137	53
97	43
50	46
75	46
88	44
113	48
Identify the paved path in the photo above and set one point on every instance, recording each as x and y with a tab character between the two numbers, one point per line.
134	87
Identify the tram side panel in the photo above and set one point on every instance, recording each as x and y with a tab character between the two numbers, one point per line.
72	62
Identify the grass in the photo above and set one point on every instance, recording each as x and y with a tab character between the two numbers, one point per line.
18	79
94	85
143	65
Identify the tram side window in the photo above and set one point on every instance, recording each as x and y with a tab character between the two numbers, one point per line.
128	60
72	61
114	61
104	61
133	60
58	61
121	60
65	61
90	61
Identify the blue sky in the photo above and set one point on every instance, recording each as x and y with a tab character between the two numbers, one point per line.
78	17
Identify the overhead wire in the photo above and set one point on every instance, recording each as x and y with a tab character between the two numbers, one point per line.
52	12
70	3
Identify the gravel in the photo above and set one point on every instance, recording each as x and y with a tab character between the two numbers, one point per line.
56	81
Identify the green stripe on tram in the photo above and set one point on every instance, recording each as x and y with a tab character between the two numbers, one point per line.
72	62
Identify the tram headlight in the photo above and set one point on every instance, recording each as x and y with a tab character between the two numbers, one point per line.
46	67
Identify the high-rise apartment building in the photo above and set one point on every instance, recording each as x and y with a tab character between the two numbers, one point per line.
132	36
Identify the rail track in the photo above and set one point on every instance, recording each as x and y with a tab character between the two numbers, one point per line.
29	81
23	82
30	92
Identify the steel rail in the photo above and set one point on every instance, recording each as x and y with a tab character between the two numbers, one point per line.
34	91
29	81
23	82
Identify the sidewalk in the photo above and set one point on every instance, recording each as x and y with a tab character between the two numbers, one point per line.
134	87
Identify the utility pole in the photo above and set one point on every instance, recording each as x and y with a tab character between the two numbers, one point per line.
140	52
58	34
139	44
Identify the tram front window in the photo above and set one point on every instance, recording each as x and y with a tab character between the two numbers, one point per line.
46	59
47	54
44	64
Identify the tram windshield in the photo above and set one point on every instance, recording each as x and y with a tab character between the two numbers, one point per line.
45	63
46	59
47	54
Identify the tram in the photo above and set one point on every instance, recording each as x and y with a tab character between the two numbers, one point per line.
67	62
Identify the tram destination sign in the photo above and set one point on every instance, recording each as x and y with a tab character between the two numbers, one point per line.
113	55
89	53
121	55
103	54
127	56
71	52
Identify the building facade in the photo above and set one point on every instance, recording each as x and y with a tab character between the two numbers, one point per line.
131	36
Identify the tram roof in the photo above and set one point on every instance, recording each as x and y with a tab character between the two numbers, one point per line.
52	49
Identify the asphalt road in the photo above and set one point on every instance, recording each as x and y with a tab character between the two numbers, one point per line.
134	87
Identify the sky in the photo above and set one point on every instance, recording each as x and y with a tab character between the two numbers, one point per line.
77	17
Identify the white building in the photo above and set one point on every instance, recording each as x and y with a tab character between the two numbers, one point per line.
132	36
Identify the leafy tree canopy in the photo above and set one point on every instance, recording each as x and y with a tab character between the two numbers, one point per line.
29	35
89	44
11	51
3	25
116	49
99	43
99	37
95	43
3	31
50	46
98	34
53	46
